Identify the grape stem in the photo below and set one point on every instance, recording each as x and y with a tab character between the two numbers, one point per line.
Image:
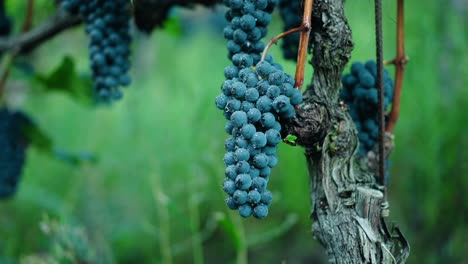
400	62
303	43
275	39
304	28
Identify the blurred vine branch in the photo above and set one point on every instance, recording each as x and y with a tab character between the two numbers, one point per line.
27	41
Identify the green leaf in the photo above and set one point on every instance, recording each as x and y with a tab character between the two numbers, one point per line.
173	26
37	137
64	78
290	139
40	140
229	227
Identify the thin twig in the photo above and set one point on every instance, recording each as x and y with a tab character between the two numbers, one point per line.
400	63
276	38
27	24
303	44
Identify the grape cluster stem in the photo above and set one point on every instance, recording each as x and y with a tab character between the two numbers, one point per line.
305	29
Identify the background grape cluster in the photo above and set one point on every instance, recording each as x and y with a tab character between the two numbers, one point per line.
13	146
107	26
291	14
256	98
5	21
361	96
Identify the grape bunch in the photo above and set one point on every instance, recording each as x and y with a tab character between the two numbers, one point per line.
361	96
291	14
257	98
107	26
13	146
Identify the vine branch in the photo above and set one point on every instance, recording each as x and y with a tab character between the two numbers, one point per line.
400	62
303	43
28	41
27	23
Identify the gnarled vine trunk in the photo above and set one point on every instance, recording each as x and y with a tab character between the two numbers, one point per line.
346	202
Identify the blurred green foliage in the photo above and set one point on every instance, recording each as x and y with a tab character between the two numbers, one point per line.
155	196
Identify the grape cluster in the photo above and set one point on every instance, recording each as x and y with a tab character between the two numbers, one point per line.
361	96
107	26
13	146
257	98
291	13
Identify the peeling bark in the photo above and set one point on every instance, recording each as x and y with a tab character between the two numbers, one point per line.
347	204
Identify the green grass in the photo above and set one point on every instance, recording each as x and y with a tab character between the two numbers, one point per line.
155	194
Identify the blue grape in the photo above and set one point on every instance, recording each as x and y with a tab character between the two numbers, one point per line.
229	186
245	210
231	72
230	144
267	197
231	172
260	211
263	69
231	203
247	22
272	161
251	95
246	106
233	105
254	172
265	172
254	115
238	89
239	36
270	150
241	154
264	104
241	142
248	131
273	137
281	104
243	167
258	140
239	118
296	97
259	184
229	158
268	120
254	197
243	181
260	160
221	101
240	197
276	78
